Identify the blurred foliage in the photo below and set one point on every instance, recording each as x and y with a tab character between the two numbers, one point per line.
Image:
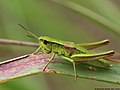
47	17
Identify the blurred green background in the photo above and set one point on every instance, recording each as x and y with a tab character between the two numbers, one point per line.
100	19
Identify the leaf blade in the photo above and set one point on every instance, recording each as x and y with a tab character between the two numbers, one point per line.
90	14
32	64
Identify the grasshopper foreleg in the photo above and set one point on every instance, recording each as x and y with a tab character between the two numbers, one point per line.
37	50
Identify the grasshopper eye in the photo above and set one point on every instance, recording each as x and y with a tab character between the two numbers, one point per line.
45	42
41	39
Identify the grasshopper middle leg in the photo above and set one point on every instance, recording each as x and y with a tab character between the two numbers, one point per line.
52	57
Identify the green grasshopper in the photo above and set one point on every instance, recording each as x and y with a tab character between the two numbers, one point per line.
73	52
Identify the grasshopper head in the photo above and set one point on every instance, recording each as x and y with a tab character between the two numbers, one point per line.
44	44
43	39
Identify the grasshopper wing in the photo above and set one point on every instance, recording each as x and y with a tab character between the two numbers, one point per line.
94	44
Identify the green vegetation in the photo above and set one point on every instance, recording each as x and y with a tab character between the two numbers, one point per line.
79	21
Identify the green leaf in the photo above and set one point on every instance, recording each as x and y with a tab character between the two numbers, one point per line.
96	15
33	63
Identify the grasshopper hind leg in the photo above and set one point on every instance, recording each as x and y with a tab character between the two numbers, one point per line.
74	66
75	71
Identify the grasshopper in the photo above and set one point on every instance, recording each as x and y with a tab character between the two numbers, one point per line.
72	52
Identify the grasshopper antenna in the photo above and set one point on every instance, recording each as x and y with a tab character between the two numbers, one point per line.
32	34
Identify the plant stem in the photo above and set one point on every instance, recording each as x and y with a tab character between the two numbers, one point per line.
15	42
